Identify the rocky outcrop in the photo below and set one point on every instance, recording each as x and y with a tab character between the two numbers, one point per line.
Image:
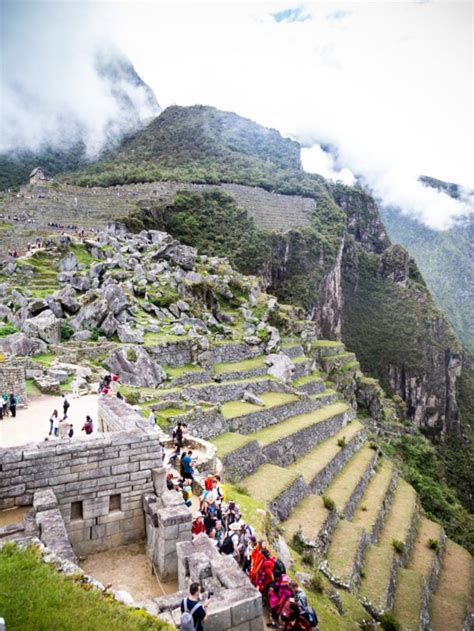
45	326
23	345
136	367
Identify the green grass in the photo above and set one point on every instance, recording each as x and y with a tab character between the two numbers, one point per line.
253	510
178	371
452	596
45	360
229	442
401	512
246	364
373	497
233	409
408	599
66	386
155	339
326	344
344	484
308	516
314	376
268	482
316	459
31	388
35	596
295	424
343	549
82	255
422	556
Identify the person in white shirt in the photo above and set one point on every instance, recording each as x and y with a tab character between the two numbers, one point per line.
75	388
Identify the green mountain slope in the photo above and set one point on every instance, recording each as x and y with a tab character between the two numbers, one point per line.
341	267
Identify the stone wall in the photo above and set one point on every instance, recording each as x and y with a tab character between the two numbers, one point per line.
282	506
243	462
172	353
12	379
50	522
98	482
358	492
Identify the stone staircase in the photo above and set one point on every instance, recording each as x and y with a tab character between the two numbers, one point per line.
309	460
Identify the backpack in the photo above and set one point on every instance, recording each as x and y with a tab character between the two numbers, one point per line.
227	546
310	615
279	568
187	620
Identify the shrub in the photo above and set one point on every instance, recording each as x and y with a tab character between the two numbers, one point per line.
307	558
373	445
66	331
341	442
433	544
389	623
316	583
297	543
329	503
95	334
243	490
363	574
133	398
132	355
7	329
398	546
364	508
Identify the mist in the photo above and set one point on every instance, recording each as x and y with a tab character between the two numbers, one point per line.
64	81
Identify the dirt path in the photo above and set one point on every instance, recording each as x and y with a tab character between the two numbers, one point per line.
32	423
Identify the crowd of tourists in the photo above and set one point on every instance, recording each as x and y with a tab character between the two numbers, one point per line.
221	520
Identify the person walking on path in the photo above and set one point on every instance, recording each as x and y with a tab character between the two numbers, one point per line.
66	405
51	422
75	388
13	402
88	426
187	461
193	611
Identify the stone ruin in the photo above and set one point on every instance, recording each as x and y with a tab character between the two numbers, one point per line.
12	377
88	495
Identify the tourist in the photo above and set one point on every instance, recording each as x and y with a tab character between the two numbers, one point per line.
5	404
173	455
198	525
13	402
265	574
187	463
75	388
54	416
56	426
88	426
178	435
193	611
169	482
307	617
66	405
71	431
187	491
256	560
279	594
63	429
152	418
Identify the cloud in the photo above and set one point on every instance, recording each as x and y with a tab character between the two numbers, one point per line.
316	160
53	90
297	14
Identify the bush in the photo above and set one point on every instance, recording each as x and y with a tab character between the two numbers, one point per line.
133	398
329	503
373	445
341	442
66	331
243	490
316	583
307	558
95	334
132	355
398	546
389	623
433	544
7	329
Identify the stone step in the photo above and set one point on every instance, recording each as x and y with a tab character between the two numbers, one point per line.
293	350
450	603
227	391
374	505
377	588
325	397
410	606
281	490
348	487
338	362
326	348
311	384
323	462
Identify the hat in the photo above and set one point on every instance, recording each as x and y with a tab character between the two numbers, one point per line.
198	514
234	527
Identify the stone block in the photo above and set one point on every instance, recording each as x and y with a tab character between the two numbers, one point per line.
44	499
95	507
248	605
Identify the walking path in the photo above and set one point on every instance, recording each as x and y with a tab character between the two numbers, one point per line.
32	423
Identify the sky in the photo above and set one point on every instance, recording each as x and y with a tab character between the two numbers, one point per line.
379	90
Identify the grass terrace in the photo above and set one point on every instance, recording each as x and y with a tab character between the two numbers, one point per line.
246	364
34	595
308	517
178	371
367	510
314	376
268	482
233	409
452	597
229	442
342	487
295	424
422	556
408	599
316	459
401	513
343	549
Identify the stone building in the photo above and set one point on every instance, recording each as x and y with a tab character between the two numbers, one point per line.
12	378
38	176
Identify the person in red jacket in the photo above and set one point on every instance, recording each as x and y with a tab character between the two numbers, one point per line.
198	525
265	574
